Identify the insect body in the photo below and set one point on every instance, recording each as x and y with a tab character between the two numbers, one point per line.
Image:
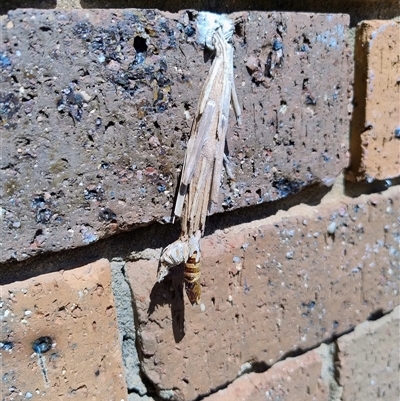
204	157
192	279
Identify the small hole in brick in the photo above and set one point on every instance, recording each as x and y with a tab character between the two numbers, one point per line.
190	15
239	29
6	345
42	344
213	300
306	40
110	124
139	44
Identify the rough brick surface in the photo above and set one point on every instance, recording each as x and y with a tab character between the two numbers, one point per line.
268	289
375	134
96	108
369	360
293	379
75	309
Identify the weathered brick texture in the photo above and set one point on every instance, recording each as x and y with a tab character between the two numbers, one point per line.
369	360
306	377
76	310
362	365
269	288
96	108
95	112
375	133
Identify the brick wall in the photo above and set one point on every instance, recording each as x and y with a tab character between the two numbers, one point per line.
300	268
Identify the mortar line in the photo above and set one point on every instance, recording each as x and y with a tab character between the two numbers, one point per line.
296	353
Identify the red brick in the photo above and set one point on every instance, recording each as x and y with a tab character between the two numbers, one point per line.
369	360
76	310
269	287
375	132
292	379
87	152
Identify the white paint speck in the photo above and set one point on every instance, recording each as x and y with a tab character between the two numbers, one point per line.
289	255
331	228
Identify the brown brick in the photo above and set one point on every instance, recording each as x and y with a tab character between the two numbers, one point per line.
94	123
75	309
292	379
375	133
369	361
269	287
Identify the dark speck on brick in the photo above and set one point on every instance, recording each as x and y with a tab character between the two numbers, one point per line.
43	216
38	202
107	214
42	344
9	105
4	61
310	306
6	345
277	45
83	29
139	58
286	187
190	31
